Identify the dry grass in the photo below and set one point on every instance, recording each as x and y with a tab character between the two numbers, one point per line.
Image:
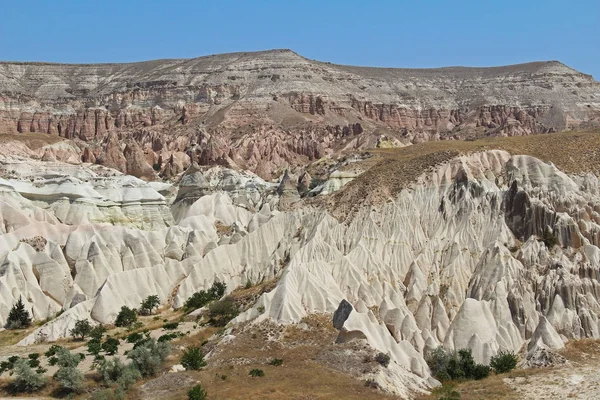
302	375
391	170
10	337
582	351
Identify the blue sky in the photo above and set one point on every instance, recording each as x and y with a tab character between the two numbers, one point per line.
378	33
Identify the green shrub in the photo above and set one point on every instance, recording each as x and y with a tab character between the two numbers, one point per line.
67	359
94	346
549	239
68	376
148	356
481	371
168	337
52	350
222	311
70	379
193	358
134	337
82	329
26	379
504	361
197	393
203	297
34	360
114	372
256	373
446	365
383	359
276	362
97	332
111	346
149	304
126	317
18	317
171	326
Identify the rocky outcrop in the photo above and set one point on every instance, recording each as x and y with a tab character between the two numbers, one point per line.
455	259
267	111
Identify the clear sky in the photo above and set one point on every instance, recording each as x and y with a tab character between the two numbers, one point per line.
390	33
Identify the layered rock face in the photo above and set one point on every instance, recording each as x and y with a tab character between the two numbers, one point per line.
464	257
266	110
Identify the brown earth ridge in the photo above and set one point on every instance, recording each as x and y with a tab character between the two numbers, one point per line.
271	110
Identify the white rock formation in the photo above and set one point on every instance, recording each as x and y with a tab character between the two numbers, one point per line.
454	260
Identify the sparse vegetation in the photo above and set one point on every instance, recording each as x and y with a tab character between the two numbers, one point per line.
82	329
168	337
171	326
18	316
149	356
26	379
549	239
222	311
256	373
97	332
94	346
126	317
68	376
193	358
114	372
197	393
449	365
203	297
276	362
503	362
383	359
149	304
111	345
134	337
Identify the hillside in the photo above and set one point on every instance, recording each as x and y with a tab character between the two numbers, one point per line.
265	111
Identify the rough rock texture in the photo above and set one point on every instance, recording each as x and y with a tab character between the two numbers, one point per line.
487	250
267	110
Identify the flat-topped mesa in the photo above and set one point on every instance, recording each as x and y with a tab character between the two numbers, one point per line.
267	110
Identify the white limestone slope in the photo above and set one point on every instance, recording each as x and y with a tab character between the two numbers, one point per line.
454	260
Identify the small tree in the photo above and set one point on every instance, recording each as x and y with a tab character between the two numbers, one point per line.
26	379
148	356
134	337
193	358
111	346
94	346
97	332
197	393
126	317
82	329
115	372
68	376
149	304
504	361
18	317
222	311
203	297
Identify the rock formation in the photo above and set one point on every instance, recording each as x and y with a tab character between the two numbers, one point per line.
457	259
121	181
268	110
